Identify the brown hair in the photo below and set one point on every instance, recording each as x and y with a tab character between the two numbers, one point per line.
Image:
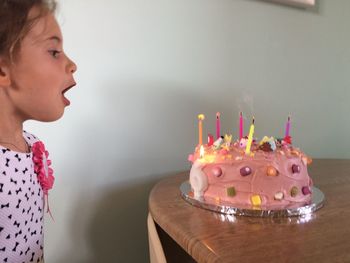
15	22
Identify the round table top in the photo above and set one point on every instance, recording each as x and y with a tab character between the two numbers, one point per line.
323	236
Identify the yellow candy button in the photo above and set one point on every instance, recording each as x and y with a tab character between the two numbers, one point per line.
256	200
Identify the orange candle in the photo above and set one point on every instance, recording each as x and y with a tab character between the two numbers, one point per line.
200	128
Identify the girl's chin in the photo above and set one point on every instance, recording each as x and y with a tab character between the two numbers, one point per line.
54	116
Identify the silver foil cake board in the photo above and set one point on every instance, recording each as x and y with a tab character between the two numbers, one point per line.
226	208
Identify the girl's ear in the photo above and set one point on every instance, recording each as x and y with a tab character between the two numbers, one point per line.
5	79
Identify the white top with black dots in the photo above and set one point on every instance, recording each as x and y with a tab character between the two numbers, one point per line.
21	207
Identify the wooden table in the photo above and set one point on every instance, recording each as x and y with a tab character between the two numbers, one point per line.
212	237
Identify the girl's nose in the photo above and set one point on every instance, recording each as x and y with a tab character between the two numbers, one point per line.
71	66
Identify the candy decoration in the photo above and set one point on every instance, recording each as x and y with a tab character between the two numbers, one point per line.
243	142
201	117
210	139
267	144
223	151
287	140
198	179
271	171
246	170
217	171
279	196
231	191
190	158
294	191
228	139
217	125
306	190
309	160
304	160
266	147
256	200
295	152
295	169
218	142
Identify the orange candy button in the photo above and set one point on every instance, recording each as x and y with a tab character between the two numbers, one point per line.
271	171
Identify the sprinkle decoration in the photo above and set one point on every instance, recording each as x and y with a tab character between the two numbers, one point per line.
43	170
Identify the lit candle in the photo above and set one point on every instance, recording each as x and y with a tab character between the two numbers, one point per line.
287	127
200	127
217	125
250	138
240	126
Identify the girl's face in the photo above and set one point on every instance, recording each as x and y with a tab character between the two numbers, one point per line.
41	73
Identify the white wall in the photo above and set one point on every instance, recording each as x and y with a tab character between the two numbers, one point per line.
146	69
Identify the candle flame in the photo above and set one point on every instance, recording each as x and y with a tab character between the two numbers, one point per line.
218	115
201	152
253	120
201	117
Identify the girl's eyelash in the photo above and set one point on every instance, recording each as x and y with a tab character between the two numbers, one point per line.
54	53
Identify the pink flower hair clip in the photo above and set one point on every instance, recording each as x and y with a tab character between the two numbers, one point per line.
43	170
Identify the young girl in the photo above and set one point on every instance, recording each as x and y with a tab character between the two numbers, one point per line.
35	73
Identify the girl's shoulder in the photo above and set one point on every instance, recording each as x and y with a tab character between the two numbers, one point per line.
30	138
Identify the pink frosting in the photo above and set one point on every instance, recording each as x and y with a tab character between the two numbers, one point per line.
227	184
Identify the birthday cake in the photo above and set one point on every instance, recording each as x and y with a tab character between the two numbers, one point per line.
270	173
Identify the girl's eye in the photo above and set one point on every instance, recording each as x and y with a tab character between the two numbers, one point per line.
54	53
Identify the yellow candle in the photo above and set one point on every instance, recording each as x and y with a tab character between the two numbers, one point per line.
250	138
200	127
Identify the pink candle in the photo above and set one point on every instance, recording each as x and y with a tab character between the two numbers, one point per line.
240	126
218	125
287	127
